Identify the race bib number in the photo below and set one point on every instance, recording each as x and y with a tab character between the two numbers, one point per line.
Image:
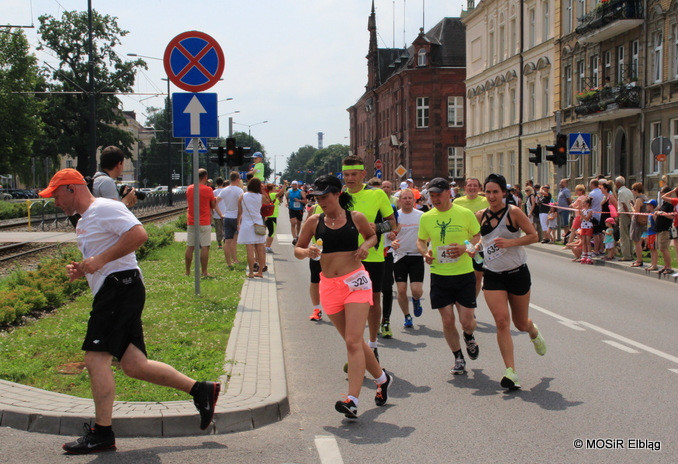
359	281
296	204
444	254
492	251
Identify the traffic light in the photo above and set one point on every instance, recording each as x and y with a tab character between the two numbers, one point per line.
551	153
536	159
221	152
561	143
231	153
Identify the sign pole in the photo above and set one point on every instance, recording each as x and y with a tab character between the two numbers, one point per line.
196	216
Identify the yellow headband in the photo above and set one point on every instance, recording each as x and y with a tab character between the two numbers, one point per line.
359	167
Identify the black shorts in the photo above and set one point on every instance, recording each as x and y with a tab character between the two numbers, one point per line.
315	268
296	214
598	228
230	228
448	290
270	225
516	281
478	266
409	266
376	272
115	320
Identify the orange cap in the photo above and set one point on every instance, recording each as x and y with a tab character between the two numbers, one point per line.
66	176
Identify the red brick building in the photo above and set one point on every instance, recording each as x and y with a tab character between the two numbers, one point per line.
413	109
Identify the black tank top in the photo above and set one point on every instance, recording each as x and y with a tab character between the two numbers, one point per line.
334	240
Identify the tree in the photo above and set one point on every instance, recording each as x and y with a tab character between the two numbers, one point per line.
20	123
67	113
153	158
308	162
242	139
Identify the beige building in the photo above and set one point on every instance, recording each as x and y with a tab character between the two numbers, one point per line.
512	83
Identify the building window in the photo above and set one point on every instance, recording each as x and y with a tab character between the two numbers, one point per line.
635	47
545	107
490	113
607	154
547	20
655	131
421	57
514	106
594	167
672	162
490	51
530	101
581	8
69	163
455	161
594	71
422	112
532	27
512	37
500	167
656	54
567	20
674	63
455	111
620	65
581	76
512	166
500	110
490	163
607	64
568	86
502	43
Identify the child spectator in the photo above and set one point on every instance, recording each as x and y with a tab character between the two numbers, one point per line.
652	235
552	224
586	231
608	240
574	244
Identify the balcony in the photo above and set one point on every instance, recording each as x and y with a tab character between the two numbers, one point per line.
609	19
611	102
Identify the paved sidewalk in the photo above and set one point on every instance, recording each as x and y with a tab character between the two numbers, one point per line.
255	393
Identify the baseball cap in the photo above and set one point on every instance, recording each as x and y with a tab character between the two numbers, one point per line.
410	180
403	185
609	221
325	184
257	154
66	176
295	182
437	185
651	202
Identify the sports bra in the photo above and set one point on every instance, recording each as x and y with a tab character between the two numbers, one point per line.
488	215
344	238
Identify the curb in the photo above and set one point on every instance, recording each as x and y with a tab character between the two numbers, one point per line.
255	394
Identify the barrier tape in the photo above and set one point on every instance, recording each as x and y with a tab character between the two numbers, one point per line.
632	213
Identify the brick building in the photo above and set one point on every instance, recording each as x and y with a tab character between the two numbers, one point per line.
412	111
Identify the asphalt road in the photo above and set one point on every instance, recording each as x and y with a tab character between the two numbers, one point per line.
608	379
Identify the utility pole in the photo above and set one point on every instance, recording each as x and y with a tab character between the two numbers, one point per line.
90	165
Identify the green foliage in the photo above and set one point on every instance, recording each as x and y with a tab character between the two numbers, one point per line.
308	162
182	222
157	237
67	115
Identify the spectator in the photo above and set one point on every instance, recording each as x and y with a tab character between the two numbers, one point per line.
217	214
673	232
275	193
530	200
624	205
580	193
609	205
586	230
104	186
205	208
664	221
638	222
229	206
652	235
575	244
564	201
249	215
608	240
543	202
597	206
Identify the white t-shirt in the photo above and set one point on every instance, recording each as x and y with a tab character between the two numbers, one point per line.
99	228
217	208
229	201
407	237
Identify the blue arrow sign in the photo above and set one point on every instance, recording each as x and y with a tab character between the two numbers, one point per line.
377	173
202	145
194	115
579	143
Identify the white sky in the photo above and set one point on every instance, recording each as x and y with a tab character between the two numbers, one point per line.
297	64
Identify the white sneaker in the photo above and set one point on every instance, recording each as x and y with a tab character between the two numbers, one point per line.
269	250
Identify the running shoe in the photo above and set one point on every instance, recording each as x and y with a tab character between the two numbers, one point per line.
205	399
347	408
510	379
269	250
471	346
416	304
294	241
408	322
256	267
90	442
317	315
539	343
459	366
385	330
382	390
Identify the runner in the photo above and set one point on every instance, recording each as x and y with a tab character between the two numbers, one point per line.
447	226
296	198
475	202
345	287
275	193
408	262
376	207
507	278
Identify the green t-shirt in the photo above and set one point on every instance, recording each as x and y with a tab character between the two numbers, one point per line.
475	205
444	228
276	202
370	202
259	171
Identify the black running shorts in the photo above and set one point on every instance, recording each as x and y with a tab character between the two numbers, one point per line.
448	290
409	266
315	268
516	281
376	272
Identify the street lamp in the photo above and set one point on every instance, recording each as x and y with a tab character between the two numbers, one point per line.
249	128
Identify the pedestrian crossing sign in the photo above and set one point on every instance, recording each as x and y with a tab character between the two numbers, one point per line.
579	143
202	145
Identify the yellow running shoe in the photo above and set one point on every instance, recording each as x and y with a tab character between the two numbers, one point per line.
539	343
510	379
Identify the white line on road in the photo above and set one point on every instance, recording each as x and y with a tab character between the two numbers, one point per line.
675	371
284	238
621	347
328	449
628	341
563	320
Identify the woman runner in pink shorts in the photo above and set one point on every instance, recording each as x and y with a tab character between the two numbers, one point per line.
345	286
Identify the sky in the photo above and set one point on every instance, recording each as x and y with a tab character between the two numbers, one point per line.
298	64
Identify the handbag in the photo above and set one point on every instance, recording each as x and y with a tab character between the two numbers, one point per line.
259	229
613	211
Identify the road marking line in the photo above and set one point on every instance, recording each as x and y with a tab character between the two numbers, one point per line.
572	325
328	449
621	347
563	320
628	341
284	238
675	371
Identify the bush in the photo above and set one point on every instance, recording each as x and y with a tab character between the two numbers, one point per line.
12	210
182	222
157	237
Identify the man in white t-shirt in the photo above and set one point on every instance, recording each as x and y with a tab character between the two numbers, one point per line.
108	234
227	199
217	215
597	206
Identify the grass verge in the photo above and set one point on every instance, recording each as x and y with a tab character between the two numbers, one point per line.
186	331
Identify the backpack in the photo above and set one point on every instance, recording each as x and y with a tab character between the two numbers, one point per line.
267	205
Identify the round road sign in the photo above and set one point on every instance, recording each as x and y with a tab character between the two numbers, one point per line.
194	61
377	164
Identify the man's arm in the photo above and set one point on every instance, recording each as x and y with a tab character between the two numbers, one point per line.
126	244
